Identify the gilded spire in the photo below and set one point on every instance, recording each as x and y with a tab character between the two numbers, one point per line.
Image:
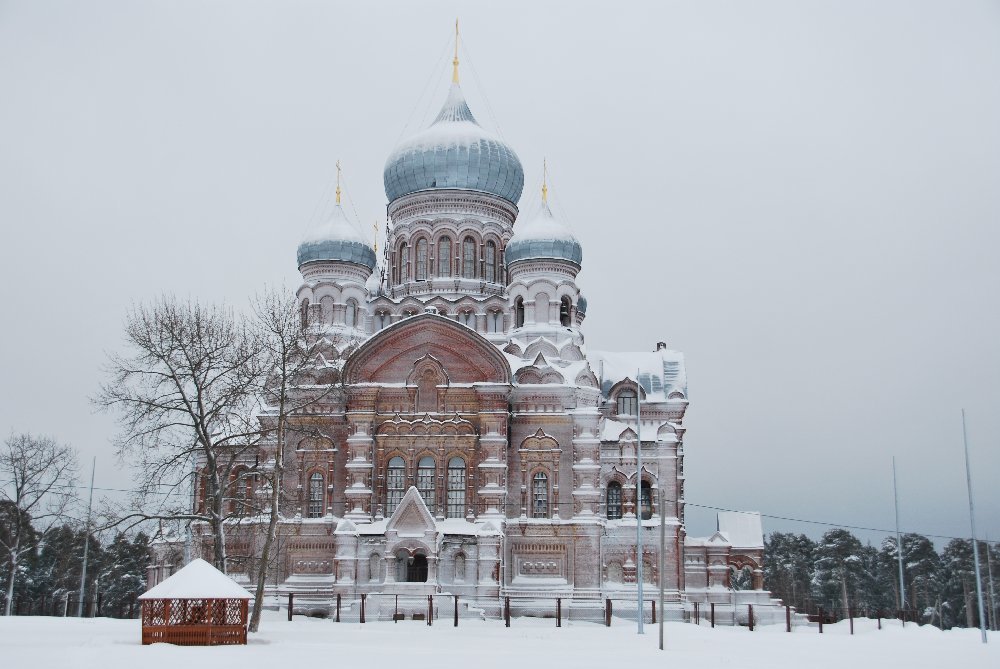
338	182
454	72
545	179
375	234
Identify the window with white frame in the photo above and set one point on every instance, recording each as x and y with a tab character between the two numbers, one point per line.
614	507
628	403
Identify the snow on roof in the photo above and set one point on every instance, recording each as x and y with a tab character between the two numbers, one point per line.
660	372
743	529
197	580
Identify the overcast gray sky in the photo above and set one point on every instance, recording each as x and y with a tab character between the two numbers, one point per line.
801	196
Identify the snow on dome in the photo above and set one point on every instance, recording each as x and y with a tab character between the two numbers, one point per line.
197	580
543	237
454	152
336	239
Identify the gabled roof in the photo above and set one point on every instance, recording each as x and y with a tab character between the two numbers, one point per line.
197	580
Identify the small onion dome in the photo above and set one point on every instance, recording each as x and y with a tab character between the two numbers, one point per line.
336	240
543	238
581	305
454	153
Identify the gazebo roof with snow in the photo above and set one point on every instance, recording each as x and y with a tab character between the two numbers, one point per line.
197	580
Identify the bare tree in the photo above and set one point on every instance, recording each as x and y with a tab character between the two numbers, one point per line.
37	479
289	353
186	395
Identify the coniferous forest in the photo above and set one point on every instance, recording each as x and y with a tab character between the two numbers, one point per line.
49	573
839	573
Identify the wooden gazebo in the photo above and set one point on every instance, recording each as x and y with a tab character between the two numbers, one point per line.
197	606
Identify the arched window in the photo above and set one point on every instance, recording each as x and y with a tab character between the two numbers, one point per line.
494	321
425	481
421	260
540	496
316	495
628	404
614	509
305	312
646	500
519	312
444	257
564	310
467	318
381	320
403	271
469	258
460	568
351	317
395	480
456	488
491	262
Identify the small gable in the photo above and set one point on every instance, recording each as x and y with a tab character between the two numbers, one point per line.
411	518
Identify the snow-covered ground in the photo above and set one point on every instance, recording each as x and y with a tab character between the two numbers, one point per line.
31	642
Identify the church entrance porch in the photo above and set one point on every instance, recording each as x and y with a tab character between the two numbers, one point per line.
415	569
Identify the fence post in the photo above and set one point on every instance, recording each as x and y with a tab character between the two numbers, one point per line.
654	611
395	610
430	610
100	598
788	618
363	608
66	610
821	620
43	604
712	612
456	610
850	616
558	612
291	604
879	614
607	612
697	613
131	609
750	618
506	611
338	607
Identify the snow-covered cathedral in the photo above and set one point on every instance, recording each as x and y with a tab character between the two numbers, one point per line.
469	442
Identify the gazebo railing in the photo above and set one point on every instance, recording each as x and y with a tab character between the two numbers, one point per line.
194	622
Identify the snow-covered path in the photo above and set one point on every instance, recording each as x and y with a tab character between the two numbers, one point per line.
28	642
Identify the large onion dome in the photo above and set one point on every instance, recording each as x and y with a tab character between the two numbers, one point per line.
543	238
454	152
336	240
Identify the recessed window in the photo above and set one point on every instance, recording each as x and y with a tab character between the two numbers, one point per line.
444	257
305	312
491	262
425	481
421	260
395	481
316	495
469	258
646	500
456	488
352	313
519	312
614	508
564	311
494	322
540	496
628	403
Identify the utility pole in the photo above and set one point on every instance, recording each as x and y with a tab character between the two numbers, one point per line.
972	522
899	544
993	599
638	495
663	546
86	541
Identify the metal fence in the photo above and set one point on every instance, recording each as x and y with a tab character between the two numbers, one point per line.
68	606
